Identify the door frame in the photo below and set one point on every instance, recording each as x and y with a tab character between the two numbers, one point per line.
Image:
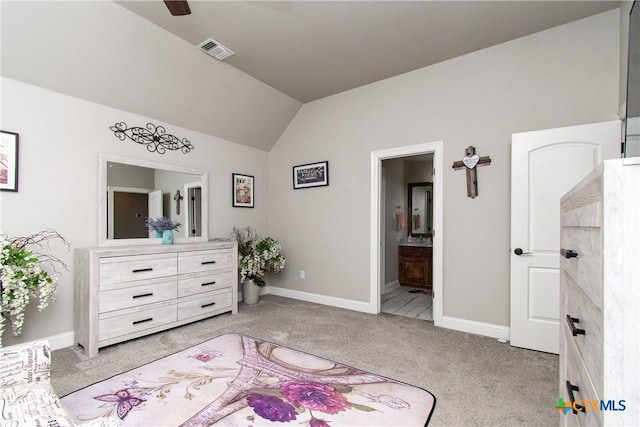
376	279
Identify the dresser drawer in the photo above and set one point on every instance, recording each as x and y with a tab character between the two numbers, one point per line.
586	268
590	319
137	295
192	284
211	260
118	323
577	374
204	304
136	267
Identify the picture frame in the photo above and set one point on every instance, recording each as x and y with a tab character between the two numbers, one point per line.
243	191
9	142
311	175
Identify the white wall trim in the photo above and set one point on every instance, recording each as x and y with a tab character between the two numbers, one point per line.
319	299
478	328
391	286
437	148
56	342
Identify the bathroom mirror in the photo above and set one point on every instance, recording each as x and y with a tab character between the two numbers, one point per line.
420	212
130	191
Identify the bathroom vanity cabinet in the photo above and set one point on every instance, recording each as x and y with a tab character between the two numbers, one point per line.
415	265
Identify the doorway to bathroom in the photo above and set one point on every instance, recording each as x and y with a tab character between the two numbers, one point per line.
406	233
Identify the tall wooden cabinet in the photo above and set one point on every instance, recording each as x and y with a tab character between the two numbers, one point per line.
130	291
600	297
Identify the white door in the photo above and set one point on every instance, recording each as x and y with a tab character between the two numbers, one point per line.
155	205
544	166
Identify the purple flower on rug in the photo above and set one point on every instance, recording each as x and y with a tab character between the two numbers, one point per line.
126	401
314	396
315	422
271	408
204	357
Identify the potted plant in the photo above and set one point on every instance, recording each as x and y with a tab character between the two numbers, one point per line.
163	227
256	256
22	277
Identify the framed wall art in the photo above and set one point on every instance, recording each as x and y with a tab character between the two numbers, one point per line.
8	161
311	175
243	191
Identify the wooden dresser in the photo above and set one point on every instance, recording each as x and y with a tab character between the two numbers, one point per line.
600	297
415	265
127	292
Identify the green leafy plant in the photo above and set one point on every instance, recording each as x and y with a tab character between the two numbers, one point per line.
22	277
256	255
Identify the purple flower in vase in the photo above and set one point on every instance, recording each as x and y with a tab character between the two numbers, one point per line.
271	408
314	396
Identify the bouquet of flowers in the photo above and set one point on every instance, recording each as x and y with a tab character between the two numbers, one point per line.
22	277
161	224
257	255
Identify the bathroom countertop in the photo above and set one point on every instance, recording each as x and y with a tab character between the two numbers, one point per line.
423	244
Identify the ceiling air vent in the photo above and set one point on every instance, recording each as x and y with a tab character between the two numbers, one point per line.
215	49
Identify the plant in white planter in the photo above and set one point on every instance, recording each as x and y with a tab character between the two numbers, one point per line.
256	256
22	277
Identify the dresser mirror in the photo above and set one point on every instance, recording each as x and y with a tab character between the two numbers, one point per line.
133	190
420	201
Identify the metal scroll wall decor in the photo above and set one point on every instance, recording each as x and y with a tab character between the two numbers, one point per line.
154	137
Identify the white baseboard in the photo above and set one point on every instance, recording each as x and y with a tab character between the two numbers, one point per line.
388	287
66	339
478	328
319	299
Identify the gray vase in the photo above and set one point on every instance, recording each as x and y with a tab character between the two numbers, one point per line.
250	292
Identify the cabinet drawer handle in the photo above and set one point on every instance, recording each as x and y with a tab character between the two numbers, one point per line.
207	262
572	325
570	389
142	270
143	320
208	283
207	305
568	253
150	294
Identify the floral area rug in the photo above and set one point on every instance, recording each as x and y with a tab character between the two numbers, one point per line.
235	380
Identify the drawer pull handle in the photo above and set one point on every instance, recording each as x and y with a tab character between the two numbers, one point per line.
142	270
208	283
568	253
150	294
572	325
570	389
207	305
207	262
143	320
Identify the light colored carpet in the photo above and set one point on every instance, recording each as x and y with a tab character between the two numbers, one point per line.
476	380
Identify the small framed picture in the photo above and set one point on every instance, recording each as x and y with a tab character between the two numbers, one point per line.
311	175
243	195
8	161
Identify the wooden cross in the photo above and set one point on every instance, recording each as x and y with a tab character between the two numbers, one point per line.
469	162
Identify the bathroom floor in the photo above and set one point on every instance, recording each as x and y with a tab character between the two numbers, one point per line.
409	302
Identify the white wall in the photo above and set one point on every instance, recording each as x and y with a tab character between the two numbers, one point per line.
564	76
60	139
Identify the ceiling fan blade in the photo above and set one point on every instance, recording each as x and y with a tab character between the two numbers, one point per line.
178	8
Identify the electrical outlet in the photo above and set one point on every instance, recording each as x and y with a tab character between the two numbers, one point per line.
302	274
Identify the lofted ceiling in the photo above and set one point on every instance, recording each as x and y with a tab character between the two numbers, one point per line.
312	49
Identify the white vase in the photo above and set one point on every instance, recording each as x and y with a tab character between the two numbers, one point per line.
250	292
